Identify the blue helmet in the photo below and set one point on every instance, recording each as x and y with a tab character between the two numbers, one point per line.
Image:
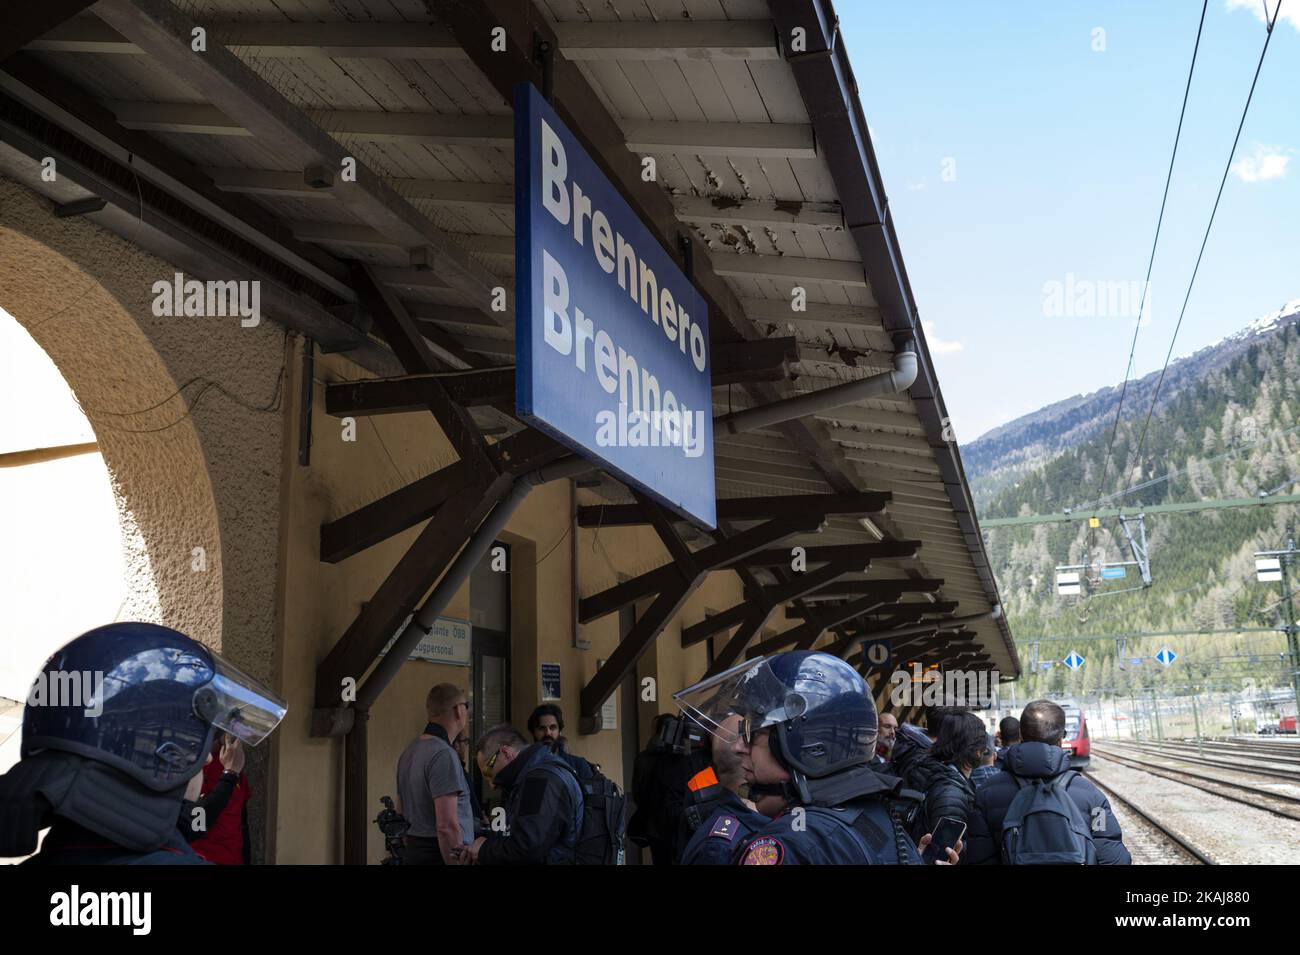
820	709
145	700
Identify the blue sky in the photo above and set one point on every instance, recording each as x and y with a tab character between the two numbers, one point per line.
1015	154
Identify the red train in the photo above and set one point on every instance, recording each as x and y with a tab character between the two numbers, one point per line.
1076	739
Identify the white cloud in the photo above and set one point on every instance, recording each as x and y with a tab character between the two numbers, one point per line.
916	187
937	345
1290	10
1267	162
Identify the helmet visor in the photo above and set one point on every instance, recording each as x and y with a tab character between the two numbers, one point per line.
242	706
749	690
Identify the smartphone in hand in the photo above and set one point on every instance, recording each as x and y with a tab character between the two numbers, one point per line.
947	833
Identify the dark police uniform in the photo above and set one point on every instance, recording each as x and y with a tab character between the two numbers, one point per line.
543	805
70	844
857	833
714	842
858	830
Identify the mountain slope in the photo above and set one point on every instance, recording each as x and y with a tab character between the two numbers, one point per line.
1228	425
1000	457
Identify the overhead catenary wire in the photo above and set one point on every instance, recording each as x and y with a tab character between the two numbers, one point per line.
1146	285
1223	181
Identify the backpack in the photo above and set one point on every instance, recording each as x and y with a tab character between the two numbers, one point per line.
1044	826
601	819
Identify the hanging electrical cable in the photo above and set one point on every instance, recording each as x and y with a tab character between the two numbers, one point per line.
1146	285
1137	457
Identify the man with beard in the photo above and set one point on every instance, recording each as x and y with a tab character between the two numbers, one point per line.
805	737
710	839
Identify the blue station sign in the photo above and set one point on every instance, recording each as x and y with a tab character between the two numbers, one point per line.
612	338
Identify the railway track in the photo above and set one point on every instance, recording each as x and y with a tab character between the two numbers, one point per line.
1163	831
1291	776
1262	745
1219	785
1208	747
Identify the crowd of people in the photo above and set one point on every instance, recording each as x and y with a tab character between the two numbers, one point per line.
777	761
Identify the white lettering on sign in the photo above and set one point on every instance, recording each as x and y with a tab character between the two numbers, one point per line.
567	203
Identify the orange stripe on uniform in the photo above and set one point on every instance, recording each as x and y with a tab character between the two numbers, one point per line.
703	779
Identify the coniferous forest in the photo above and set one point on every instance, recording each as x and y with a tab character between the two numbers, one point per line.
1227	427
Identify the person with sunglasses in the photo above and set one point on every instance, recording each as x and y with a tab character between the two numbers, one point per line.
433	792
804	726
717	817
543	803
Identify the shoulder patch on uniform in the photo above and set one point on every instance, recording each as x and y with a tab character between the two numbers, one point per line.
726	828
765	850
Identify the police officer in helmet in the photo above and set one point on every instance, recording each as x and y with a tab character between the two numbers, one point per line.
108	770
716	817
805	735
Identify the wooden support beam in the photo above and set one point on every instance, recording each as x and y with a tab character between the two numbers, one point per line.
352	39
842	648
280	39
430	129
409	345
526	451
717	210
814	313
753	140
662	522
440	315
24	23
791	268
873	418
769	598
725	552
859	554
904	465
299	281
496	386
674	590
761	360
744	634
760	213
381	396
274	182
630	649
806	634
747	508
940	606
664	39
164	31
417	571
717	623
899	586
879	439
392	513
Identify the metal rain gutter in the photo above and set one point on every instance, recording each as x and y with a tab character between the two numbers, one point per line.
830	94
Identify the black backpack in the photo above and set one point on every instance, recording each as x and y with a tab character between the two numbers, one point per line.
1044	826
603	830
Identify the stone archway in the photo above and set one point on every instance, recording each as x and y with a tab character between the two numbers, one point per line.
166	508
189	415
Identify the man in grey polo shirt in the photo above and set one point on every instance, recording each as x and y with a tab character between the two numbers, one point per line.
432	790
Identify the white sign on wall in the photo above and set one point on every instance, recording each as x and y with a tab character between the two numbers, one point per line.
447	642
